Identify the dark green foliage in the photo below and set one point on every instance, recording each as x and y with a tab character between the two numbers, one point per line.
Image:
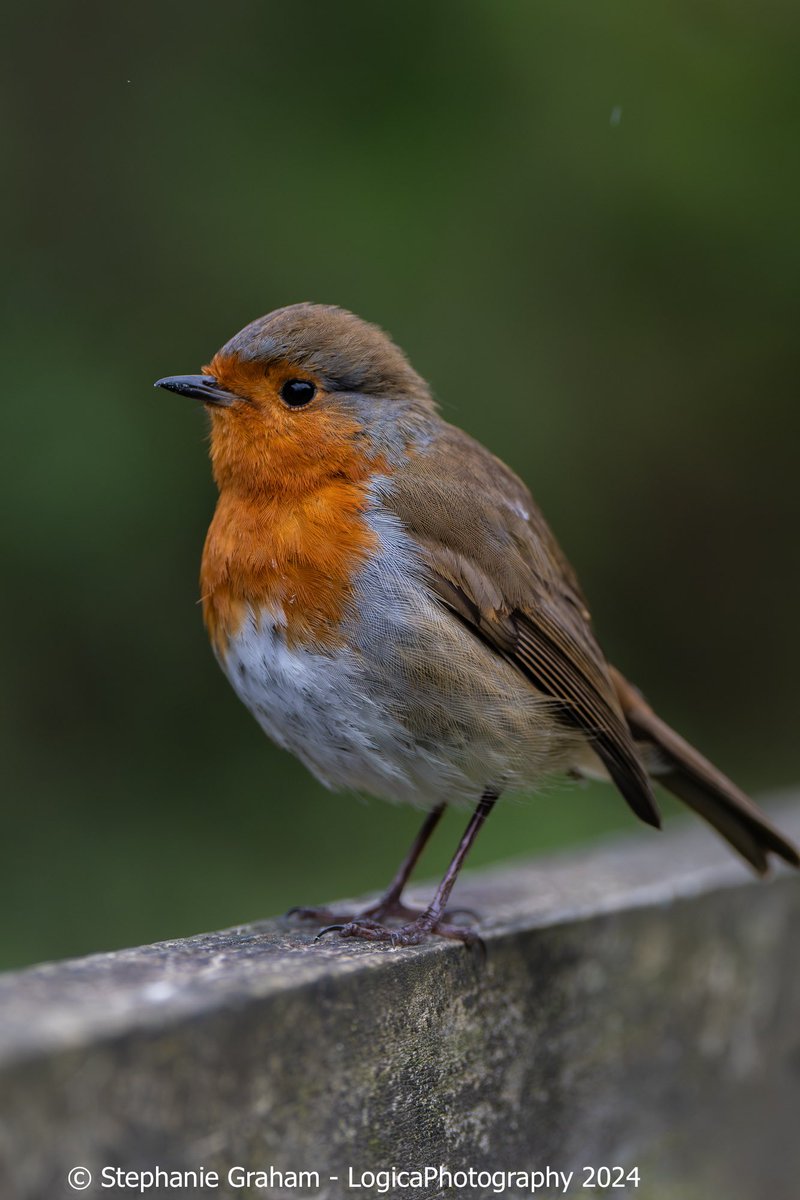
580	222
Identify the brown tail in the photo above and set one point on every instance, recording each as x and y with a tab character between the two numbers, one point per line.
685	773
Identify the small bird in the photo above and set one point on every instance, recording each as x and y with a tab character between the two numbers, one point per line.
386	598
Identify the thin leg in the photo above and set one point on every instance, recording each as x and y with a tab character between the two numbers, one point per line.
389	904
395	888
435	910
431	920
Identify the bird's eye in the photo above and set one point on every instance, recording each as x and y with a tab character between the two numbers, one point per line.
297	392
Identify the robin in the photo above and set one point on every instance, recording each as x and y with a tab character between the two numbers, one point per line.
386	598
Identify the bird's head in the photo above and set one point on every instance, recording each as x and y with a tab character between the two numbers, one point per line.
296	394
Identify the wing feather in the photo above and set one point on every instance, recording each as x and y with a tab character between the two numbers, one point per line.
493	562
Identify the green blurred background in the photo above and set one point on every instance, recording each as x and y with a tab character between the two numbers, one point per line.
581	221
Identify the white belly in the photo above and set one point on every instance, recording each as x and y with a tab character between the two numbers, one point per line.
343	723
410	708
318	706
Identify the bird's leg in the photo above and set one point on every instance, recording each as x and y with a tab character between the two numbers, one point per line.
389	905
429	921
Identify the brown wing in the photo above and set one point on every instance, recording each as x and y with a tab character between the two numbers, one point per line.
495	564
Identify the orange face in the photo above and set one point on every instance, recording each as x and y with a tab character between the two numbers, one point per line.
266	443
308	404
288	533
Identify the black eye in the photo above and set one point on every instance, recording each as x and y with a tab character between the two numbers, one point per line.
297	392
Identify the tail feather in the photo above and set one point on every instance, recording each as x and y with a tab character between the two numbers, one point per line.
683	771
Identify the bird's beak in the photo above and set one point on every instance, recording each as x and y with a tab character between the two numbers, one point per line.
201	387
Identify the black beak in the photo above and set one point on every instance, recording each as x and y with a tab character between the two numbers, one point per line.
201	387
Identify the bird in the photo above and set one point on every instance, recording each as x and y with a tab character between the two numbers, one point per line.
386	598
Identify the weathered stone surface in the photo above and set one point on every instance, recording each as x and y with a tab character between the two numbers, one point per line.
639	1005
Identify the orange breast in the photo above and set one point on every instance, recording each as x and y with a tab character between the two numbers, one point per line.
290	550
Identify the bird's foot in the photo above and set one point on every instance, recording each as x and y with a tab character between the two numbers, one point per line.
388	908
423	926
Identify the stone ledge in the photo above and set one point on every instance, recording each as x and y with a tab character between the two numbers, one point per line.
639	1004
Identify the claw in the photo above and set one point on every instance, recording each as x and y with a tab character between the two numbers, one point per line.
369	924
328	929
412	934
